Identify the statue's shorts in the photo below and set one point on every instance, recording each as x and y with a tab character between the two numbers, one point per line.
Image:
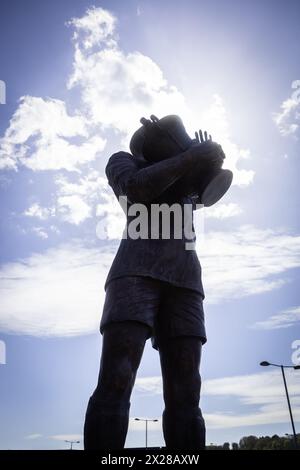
168	310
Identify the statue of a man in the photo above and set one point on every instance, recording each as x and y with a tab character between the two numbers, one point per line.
154	287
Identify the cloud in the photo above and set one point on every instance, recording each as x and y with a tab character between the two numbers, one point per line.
247	261
57	293
263	391
216	120
71	277
40	232
67	437
95	28
287	120
223	211
33	436
54	229
149	385
284	319
77	201
40	136
91	185
43	213
117	88
73	209
112	218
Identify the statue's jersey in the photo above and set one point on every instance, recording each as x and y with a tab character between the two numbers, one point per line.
171	259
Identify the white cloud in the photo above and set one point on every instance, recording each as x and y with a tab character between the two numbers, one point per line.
112	218
149	385
247	261
71	277
73	209
59	292
287	120
67	437
40	135
96	27
40	232
118	88
223	211
80	198
216	120
257	389
33	436
43	213
77	201
54	229
89	186
284	319
263	391
59	153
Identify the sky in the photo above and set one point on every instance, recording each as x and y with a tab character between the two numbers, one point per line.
78	76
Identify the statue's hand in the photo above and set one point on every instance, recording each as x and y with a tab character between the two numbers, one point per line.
200	138
205	152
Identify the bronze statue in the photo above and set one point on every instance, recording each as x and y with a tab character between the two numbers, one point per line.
154	287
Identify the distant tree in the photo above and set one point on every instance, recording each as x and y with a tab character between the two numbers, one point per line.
263	443
259	443
214	447
267	443
248	442
288	443
276	443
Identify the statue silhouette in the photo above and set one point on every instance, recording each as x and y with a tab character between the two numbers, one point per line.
154	287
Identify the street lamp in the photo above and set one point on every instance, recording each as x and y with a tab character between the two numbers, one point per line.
146	420
72	442
265	364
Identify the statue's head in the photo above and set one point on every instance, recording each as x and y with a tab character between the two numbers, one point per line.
159	139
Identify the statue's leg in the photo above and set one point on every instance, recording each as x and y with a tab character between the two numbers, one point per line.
183	424
107	415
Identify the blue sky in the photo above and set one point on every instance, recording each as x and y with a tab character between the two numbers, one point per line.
78	77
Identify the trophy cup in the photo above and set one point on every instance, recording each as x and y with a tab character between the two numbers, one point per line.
160	139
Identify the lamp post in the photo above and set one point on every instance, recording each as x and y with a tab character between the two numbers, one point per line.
265	364
146	421
72	442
